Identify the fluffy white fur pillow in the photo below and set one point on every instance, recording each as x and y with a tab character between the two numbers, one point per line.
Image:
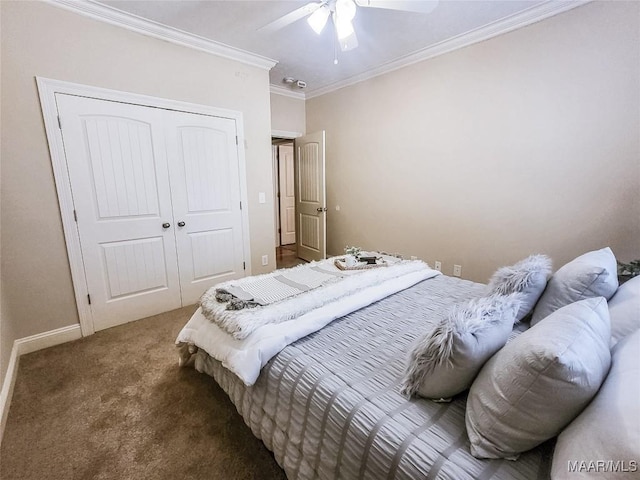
445	361
528	277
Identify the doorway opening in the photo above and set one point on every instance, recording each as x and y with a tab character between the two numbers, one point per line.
284	204
299	190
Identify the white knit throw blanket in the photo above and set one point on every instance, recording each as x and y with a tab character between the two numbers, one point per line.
276	286
241	323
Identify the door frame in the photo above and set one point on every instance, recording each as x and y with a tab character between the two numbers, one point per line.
276	191
280	135
47	89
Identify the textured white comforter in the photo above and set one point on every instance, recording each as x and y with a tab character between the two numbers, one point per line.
246	357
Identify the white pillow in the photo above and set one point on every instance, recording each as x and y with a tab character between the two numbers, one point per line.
594	274
624	308
608	430
540	381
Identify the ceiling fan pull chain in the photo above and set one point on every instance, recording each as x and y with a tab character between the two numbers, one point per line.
335	51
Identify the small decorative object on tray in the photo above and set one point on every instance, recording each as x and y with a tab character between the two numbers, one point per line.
369	260
342	264
351	259
356	259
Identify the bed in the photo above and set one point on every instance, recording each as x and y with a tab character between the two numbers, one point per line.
329	404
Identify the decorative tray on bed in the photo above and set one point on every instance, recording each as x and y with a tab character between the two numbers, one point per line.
342	264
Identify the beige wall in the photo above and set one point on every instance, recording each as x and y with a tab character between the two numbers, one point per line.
42	40
528	142
287	113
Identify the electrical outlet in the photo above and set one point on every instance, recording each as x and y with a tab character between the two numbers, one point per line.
457	270
265	259
438	265
262	197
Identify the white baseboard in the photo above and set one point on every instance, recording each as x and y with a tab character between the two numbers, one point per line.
7	388
28	345
48	339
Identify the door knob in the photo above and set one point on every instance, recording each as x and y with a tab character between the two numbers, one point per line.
181	224
321	209
166	225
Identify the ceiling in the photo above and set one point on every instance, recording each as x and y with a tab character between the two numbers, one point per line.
387	38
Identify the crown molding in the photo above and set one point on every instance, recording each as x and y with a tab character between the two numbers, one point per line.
153	29
285	134
493	29
286	92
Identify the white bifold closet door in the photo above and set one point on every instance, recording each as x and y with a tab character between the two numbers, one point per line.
205	184
157	199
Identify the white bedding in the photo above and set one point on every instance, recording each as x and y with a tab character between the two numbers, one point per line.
246	357
240	323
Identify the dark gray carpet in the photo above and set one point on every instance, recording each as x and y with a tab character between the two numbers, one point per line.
116	405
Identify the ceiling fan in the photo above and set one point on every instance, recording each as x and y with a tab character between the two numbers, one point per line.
342	13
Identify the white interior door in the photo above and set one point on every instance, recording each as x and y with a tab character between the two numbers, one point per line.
205	184
310	205
287	195
117	166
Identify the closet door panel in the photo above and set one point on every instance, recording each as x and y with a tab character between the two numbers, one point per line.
116	158
205	184
206	258
208	181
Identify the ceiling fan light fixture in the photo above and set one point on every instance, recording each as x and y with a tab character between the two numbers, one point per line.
348	43
318	19
344	28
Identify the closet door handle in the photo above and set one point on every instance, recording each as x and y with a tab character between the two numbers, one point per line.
166	225
181	224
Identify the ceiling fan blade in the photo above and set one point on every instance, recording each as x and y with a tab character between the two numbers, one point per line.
419	6
318	19
291	17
